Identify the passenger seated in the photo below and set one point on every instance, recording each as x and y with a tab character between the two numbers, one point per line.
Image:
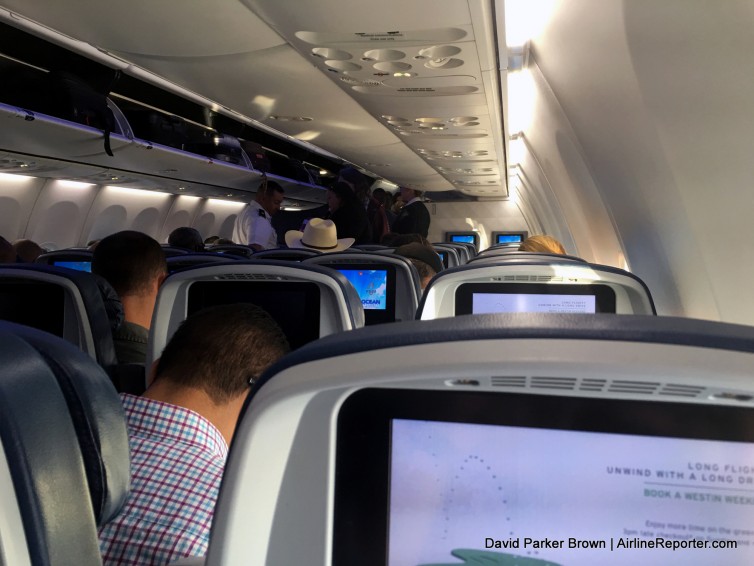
27	250
393	240
180	429
424	258
187	238
542	243
7	253
134	264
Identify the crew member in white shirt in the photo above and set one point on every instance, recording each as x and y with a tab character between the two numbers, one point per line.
253	225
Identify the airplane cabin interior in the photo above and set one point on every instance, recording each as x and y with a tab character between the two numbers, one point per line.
514	408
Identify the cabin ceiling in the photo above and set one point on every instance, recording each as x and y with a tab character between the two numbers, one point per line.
409	91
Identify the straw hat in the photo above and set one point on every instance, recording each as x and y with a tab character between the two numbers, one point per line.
319	235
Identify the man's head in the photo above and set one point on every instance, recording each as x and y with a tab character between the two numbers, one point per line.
7	253
359	183
424	258
186	238
27	250
270	197
408	194
221	350
132	262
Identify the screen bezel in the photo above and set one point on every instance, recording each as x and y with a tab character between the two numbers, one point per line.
443	257
39	304
375	316
312	298
362	463
604	295
496	234
450	235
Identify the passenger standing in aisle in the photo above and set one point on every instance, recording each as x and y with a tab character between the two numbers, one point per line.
414	216
254	225
348	214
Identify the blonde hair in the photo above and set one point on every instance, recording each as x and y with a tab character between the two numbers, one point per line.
542	243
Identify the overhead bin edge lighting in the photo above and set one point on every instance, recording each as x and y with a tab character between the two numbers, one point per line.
227	202
74	184
14	177
128	190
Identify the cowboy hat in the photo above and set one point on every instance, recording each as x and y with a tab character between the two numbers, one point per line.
319	235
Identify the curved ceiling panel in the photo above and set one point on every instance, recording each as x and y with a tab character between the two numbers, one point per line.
170	28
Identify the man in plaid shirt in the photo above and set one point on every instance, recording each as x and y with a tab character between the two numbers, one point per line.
179	432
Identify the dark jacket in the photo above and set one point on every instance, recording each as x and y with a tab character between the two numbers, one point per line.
352	221
412	219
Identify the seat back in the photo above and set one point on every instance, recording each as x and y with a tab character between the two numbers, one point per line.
399	444
171	251
370	247
49	447
80	260
64	302
534	285
231	250
285	254
451	256
307	301
504	256
97	414
388	285
502	238
464	255
178	262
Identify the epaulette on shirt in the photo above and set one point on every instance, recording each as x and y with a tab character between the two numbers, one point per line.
262	213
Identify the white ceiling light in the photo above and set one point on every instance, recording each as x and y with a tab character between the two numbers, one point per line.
75	184
525	20
13	177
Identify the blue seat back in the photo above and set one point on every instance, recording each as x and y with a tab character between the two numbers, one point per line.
65	302
55	405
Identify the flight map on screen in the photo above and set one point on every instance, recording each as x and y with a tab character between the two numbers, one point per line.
503	495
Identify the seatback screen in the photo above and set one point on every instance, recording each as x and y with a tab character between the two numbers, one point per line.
484	298
77	265
459	238
295	306
376	286
508	302
467	478
508	238
36	304
370	284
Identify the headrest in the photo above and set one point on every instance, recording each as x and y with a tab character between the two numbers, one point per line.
97	414
44	463
92	331
415	250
